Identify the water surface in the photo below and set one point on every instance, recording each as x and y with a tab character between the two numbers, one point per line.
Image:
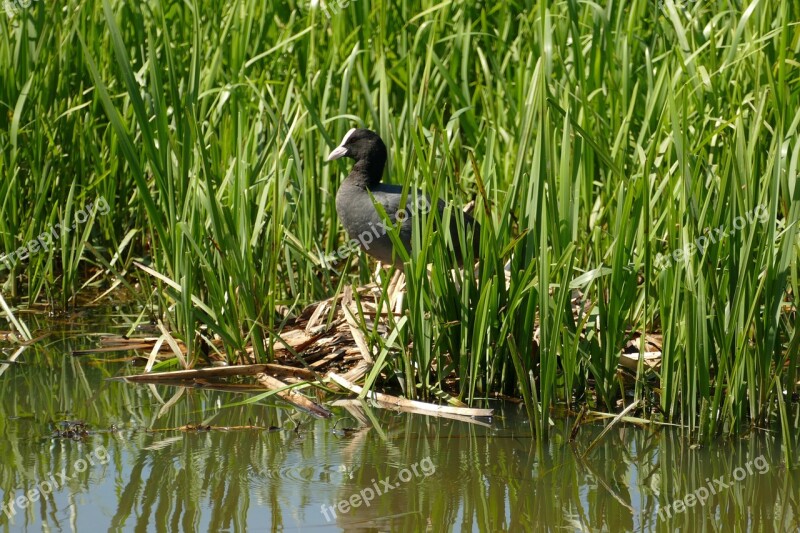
136	470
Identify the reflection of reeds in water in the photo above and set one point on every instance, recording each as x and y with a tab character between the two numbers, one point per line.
491	478
504	480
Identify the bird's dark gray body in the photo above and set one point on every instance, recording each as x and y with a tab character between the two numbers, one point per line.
361	190
363	222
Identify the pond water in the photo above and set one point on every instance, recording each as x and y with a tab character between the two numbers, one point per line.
135	470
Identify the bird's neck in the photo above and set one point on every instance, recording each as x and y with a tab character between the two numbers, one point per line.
367	173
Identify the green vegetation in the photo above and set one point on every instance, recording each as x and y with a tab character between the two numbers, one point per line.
595	140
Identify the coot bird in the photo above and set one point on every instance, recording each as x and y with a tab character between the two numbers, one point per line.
357	210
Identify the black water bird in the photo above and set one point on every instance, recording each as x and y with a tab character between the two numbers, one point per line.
356	208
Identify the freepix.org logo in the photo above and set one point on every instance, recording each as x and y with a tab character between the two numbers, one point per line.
366	238
713	487
329	9
18	500
48	238
423	468
13	8
713	236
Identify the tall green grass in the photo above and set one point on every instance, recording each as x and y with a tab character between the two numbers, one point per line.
595	141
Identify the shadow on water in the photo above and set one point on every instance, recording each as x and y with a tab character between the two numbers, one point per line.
402	472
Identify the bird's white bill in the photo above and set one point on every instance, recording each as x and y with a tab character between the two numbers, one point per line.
338	152
341	151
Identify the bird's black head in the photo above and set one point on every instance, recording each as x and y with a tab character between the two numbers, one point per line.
369	152
360	144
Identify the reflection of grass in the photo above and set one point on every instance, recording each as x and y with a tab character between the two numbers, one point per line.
197	468
591	140
499	479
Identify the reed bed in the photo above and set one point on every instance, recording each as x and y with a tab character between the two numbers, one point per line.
641	157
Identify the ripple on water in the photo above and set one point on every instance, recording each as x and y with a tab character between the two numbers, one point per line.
303	473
